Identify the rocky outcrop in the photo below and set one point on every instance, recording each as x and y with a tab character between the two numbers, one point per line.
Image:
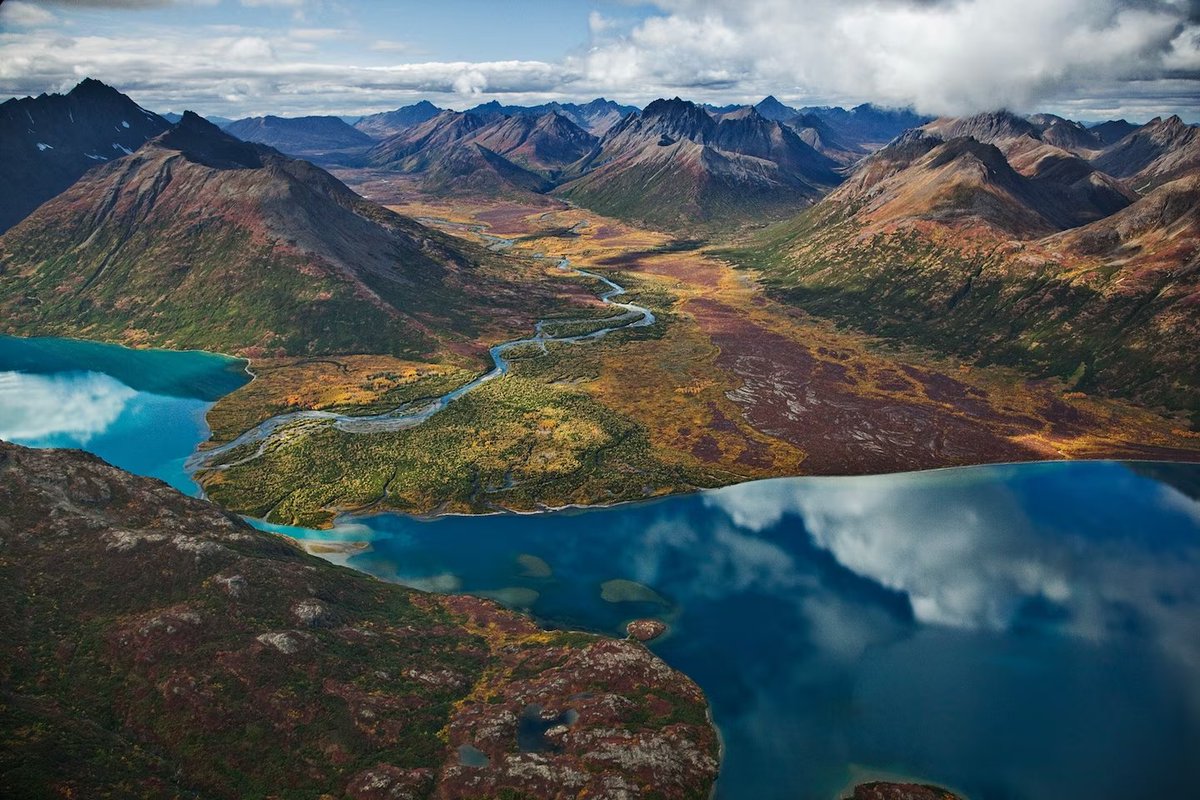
152	645
646	630
880	790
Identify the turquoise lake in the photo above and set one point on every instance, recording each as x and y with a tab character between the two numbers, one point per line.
1011	632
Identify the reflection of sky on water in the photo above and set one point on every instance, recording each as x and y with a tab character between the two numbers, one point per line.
968	554
148	434
74	406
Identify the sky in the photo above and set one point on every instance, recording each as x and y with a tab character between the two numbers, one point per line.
1085	59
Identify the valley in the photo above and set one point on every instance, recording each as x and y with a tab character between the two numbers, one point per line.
526	309
728	385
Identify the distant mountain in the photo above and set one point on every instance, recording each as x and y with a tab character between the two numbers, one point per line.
47	142
320	139
596	117
770	108
200	240
463	152
675	164
546	145
1159	151
867	126
1113	131
389	123
220	122
842	135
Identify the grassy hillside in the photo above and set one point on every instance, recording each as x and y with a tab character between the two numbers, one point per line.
201	241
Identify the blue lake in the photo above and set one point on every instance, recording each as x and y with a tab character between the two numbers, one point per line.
1025	631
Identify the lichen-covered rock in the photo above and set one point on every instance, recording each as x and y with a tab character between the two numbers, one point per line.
152	645
646	630
883	790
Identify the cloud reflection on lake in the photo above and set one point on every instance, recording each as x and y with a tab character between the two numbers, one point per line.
78	405
967	554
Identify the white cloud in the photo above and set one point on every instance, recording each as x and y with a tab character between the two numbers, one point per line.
25	15
941	56
1088	58
35	407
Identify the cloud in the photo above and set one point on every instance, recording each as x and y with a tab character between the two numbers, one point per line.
134	4
34	408
25	15
1088	58
939	56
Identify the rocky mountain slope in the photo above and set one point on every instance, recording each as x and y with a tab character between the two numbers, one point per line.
546	145
1014	251
1159	151
48	142
464	153
201	240
317	138
676	164
152	645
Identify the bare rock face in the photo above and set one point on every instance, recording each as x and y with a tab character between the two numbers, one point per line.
646	630
152	645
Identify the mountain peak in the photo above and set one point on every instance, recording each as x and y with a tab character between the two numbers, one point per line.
675	108
989	127
771	108
204	143
1171	124
90	87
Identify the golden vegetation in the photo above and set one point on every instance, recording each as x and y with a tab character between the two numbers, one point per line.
690	402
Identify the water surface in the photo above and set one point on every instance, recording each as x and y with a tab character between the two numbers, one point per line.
1027	631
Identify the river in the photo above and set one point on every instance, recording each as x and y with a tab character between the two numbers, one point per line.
412	414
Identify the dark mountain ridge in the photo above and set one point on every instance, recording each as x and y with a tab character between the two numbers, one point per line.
48	142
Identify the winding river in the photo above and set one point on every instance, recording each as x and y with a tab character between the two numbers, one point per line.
412	414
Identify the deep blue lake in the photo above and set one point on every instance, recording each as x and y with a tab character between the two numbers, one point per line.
1011	632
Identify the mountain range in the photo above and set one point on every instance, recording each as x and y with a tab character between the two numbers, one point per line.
675	164
317	138
1065	249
